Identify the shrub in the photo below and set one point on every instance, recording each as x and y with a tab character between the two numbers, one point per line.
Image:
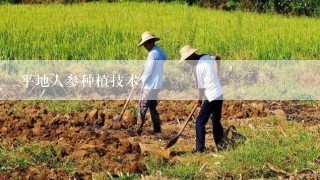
292	7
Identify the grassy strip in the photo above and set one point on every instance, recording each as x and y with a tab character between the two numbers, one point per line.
292	152
157	167
33	154
291	148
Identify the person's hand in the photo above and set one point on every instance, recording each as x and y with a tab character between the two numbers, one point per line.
198	103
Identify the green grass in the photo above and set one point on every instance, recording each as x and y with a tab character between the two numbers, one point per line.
158	167
33	154
66	106
112	31
308	102
291	154
69	106
294	151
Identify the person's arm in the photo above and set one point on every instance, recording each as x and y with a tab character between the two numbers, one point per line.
148	68
200	96
218	61
200	89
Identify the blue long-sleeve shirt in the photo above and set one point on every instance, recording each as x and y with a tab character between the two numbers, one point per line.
153	69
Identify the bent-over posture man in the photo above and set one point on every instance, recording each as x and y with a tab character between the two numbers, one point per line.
209	88
151	80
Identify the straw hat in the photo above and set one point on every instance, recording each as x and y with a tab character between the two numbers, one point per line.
185	52
147	36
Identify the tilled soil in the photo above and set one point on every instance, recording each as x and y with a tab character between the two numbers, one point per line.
95	134
290	110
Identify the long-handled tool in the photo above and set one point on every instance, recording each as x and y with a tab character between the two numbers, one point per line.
126	104
175	139
128	100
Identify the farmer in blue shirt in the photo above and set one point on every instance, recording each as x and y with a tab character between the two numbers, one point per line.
151	80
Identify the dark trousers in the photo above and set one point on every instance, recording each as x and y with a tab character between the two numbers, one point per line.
146	102
213	108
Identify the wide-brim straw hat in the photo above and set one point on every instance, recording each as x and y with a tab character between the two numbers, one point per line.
185	52
147	36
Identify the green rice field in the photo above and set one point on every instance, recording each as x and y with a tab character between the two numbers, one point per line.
112	31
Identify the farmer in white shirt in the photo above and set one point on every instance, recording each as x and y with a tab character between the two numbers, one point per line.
209	88
151	81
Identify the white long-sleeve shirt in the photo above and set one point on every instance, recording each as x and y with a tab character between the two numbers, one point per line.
207	78
153	69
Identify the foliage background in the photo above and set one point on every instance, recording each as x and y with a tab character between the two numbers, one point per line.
289	7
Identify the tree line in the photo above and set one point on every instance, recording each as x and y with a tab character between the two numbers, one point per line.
287	7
